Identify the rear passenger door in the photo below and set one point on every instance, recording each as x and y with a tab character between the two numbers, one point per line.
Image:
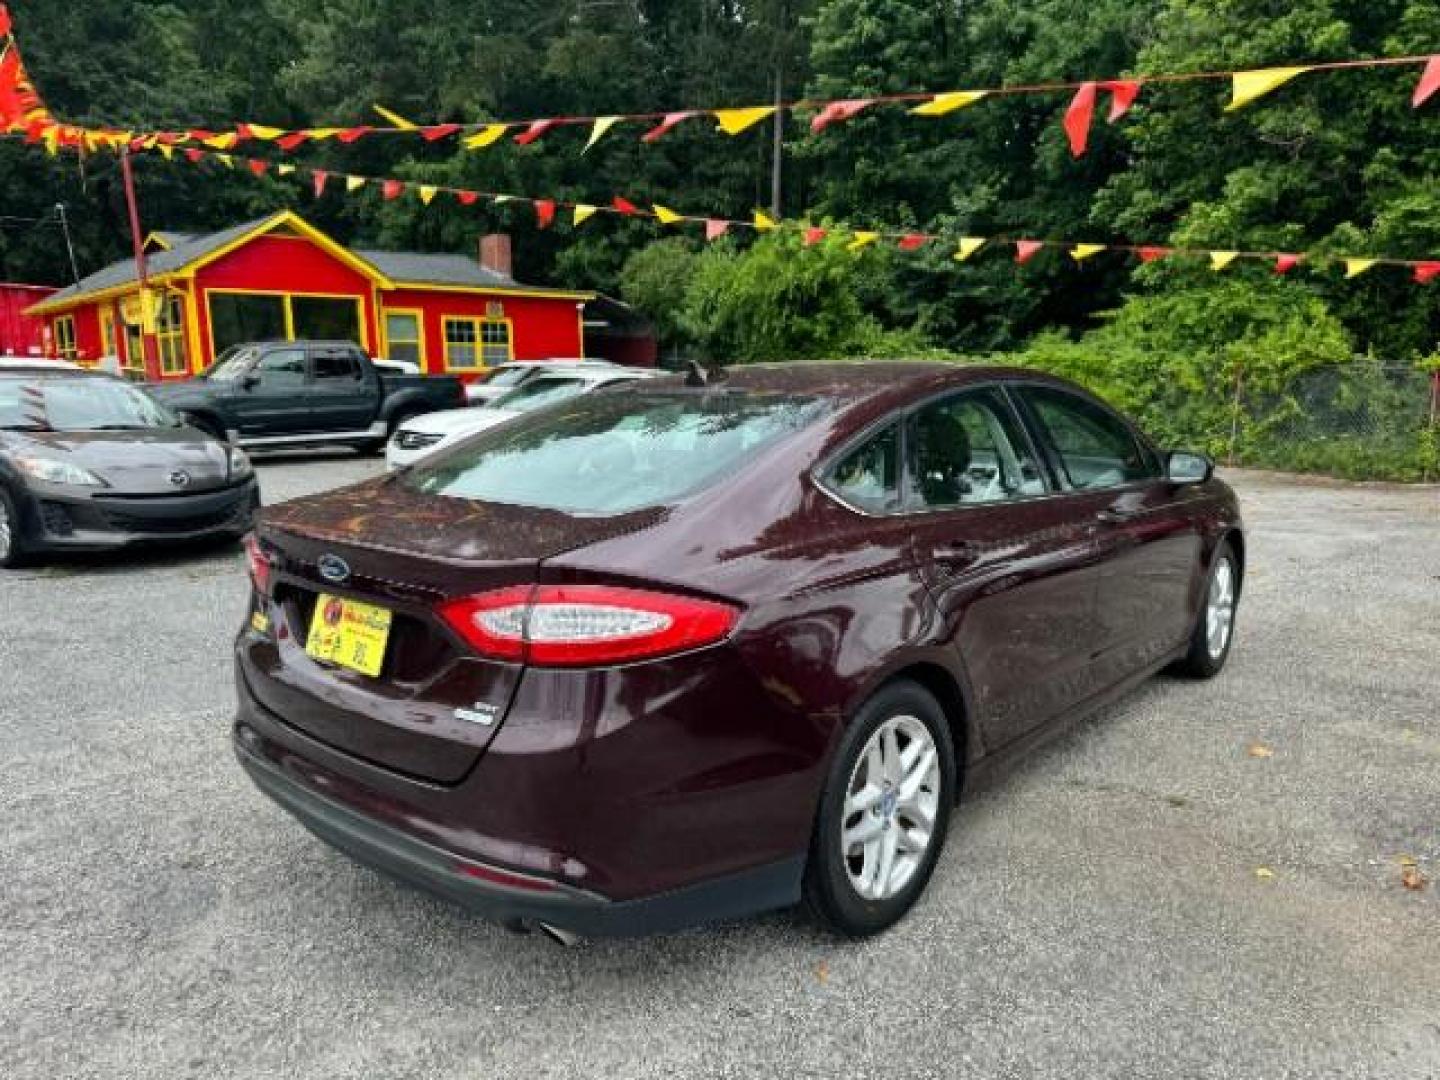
1147	537
1012	569
344	392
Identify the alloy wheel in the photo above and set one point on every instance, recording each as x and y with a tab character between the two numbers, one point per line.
7	531
1220	609
891	807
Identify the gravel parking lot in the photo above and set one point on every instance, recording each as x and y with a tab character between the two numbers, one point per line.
1104	911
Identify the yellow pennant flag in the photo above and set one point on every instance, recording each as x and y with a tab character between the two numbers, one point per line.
1249	85
584	213
968	246
321	134
166	151
226	160
151	141
666	215
52	141
734	121
602	125
284	170
486	136
428	193
764	222
354	183
222	142
1355	267
1219	260
395	118
1081	252
269	134
941	104
500	200
862	240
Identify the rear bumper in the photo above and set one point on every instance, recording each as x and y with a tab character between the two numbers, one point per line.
56	520
502	894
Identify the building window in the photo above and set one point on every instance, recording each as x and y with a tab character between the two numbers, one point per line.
471	344
240	318
403	338
170	335
108	345
65	346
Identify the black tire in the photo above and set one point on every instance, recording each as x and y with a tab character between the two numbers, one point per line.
12	546
1201	661
830	895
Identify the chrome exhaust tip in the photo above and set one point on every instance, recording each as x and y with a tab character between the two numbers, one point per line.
566	938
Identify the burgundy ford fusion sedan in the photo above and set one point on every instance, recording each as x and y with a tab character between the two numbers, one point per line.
684	652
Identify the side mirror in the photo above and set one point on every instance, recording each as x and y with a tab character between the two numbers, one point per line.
1183	467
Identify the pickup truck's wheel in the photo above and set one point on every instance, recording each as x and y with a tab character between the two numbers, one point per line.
883	813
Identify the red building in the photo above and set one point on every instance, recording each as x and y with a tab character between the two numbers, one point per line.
282	279
22	334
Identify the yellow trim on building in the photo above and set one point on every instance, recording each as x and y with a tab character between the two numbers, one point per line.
418	314
290	219
289	312
493	290
478	324
66	346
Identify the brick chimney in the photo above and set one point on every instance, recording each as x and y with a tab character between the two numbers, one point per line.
495	253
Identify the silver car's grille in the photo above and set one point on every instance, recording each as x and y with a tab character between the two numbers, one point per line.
416	440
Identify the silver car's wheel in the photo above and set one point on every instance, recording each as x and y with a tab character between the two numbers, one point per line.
7	531
890	808
1220	608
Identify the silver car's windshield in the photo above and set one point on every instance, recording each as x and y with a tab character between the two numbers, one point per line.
540	392
78	404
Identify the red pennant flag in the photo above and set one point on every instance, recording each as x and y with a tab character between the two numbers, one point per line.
660	130
392	189
534	131
1429	82
243	133
4	21
258	167
468	198
439	131
194	156
292	141
715	228
813	236
1152	254
1078	117
838	111
544	212
199	135
1123	93
1025	250
1285	263
624	205
170	138
913	242
355	134
321	178
1427	272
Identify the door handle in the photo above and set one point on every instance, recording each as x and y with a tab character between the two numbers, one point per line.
956	553
1113	517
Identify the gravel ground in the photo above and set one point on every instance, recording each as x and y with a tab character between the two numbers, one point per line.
1098	913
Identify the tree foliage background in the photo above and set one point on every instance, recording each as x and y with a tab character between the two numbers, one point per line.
1330	162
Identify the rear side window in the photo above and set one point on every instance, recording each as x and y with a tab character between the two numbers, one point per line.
336	365
967	451
868	477
614	453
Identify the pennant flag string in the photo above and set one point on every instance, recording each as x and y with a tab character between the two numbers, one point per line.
962	249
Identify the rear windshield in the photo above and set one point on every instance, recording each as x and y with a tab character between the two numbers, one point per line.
613	453
78	404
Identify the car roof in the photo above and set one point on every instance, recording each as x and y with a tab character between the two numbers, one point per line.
847	382
9	366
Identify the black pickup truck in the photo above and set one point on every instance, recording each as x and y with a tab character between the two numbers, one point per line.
305	393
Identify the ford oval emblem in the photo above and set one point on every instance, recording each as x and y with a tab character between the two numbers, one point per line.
334	569
179	478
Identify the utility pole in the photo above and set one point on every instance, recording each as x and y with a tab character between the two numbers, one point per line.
777	153
149	346
69	245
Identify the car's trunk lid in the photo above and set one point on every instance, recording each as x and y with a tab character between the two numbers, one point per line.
434	707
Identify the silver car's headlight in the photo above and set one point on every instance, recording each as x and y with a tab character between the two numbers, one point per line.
54	471
240	466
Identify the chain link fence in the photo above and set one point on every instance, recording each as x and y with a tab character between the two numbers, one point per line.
1361	420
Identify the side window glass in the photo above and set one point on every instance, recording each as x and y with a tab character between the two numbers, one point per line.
1095	446
967	451
282	369
336	365
868	477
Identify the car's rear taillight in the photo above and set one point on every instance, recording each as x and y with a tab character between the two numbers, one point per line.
259	565
586	625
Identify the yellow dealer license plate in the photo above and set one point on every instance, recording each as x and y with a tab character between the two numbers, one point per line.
349	633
